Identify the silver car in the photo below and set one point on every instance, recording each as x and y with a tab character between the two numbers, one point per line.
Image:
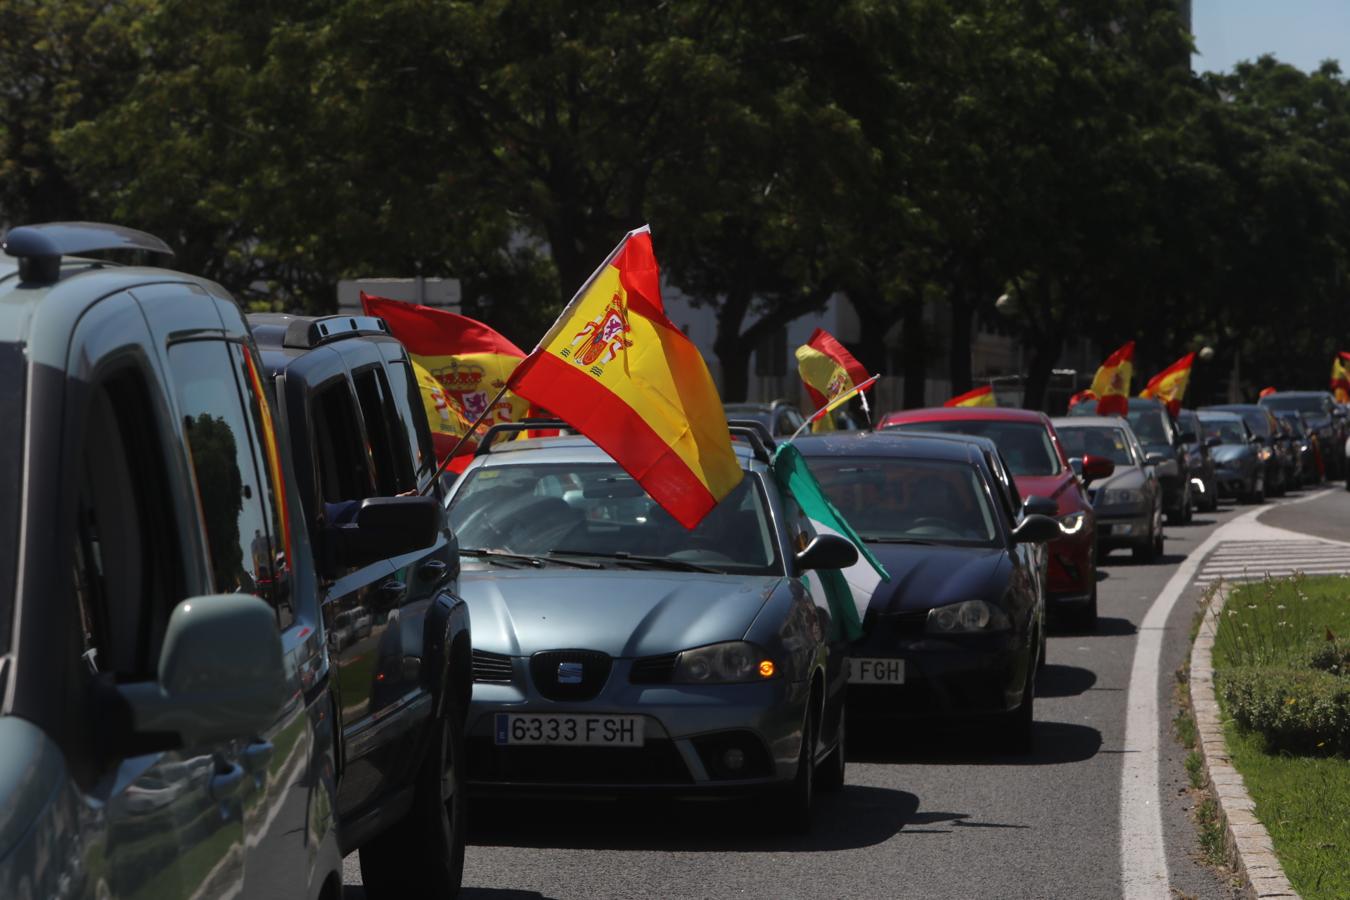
616	650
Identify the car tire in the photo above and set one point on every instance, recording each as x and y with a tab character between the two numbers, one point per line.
1018	725
831	772
423	854
1212	498
1087	618
795	803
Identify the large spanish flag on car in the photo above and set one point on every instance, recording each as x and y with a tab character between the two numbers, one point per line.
1340	377
469	361
1112	382
1169	385
616	369
828	370
981	396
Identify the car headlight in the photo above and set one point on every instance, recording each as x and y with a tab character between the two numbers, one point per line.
1122	497
967	616
1072	523
1264	454
733	662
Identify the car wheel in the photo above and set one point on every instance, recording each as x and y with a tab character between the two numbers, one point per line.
423	854
797	800
1087	618
1018	724
830	774
1212	498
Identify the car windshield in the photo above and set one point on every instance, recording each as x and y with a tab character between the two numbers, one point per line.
1100	440
12	376
892	499
1189	421
1258	420
574	510
1149	425
1025	445
1313	405
1292	422
1228	431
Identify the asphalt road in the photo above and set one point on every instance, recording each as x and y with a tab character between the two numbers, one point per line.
923	814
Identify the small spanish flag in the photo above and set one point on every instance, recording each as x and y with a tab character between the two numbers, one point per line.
828	370
616	369
466	359
1169	385
1112	382
1267	391
981	396
1340	377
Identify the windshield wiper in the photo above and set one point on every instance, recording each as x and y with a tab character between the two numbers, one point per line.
656	562
501	557
873	539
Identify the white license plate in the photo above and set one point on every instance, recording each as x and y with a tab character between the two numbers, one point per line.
567	730
876	671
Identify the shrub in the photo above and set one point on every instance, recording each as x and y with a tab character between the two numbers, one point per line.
1296	711
1332	656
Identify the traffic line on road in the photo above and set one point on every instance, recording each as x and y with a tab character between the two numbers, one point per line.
1143	852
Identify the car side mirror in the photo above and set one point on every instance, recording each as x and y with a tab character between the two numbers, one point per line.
827	551
1036	529
220	676
1036	505
1096	468
385	527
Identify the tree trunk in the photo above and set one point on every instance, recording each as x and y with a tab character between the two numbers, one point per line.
731	348
913	352
1044	355
960	348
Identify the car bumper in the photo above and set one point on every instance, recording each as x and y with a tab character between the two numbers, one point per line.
1122	530
1072	571
686	729
970	677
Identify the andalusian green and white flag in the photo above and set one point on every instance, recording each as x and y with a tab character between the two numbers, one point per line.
847	590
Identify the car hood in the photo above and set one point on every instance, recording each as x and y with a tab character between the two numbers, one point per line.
619	612
924	576
1052	486
1230	452
1125	477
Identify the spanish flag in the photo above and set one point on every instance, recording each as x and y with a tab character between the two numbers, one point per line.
1340	377
1267	391
828	370
1169	385
619	371
467	360
981	396
1112	382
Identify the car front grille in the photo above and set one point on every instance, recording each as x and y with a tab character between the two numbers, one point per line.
492	668
653	669
547	666
658	762
905	624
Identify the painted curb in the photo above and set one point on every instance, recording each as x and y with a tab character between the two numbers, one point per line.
1247	839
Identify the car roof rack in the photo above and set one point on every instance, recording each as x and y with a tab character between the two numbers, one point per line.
306	333
757	434
754	432
39	248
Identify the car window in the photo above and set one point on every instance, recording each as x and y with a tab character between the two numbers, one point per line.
1228	431
517	508
1026	446
407	397
344	473
13	368
788	422
1150	426
1112	443
385	434
894	499
1314	405
235	501
127	573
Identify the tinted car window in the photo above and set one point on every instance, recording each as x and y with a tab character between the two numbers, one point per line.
891	499
343	472
599	508
224	458
1317	406
1150	426
1228	431
385	432
1111	443
403	386
1025	446
12	375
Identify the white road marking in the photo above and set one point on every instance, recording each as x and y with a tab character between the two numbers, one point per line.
1143	853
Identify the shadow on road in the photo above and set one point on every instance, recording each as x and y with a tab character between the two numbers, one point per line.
858	816
1111	626
1123	558
945	743
1063	681
357	892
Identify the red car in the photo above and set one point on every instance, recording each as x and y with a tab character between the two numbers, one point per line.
1032	451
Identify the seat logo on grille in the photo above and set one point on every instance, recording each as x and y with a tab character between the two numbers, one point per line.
569	673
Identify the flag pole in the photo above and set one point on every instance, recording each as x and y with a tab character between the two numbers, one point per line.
462	438
833	404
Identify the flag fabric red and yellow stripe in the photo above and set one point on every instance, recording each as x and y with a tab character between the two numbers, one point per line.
1112	382
981	396
828	371
616	369
468	361
1267	391
1169	385
1340	377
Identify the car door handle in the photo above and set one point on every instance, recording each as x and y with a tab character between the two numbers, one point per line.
432	568
257	755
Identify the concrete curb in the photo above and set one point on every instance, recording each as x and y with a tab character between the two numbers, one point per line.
1248	841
